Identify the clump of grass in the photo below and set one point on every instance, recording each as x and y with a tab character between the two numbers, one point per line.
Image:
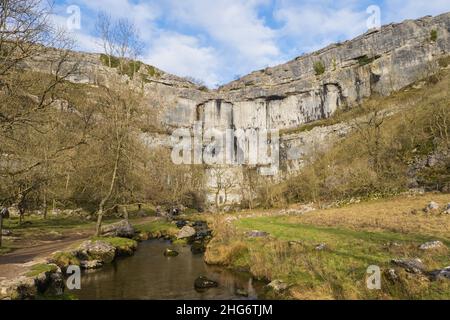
115	241
433	35
64	259
319	68
153	72
37	269
125	66
444	62
157	229
109	61
364	60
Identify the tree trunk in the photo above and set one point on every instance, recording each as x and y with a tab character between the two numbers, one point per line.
1	228
45	203
108	195
125	213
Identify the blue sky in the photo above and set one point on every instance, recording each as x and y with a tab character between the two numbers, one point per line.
218	40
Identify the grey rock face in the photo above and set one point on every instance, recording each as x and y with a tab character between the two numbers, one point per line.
97	250
278	285
432	206
91	264
443	274
186	232
18	289
283	97
257	234
122	229
411	265
431	245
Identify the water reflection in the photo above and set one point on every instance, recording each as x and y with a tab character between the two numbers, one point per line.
150	275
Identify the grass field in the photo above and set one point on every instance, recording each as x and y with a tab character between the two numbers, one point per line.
356	237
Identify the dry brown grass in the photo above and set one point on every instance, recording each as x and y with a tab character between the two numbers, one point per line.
395	215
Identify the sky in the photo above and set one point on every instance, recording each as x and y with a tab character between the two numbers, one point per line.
217	41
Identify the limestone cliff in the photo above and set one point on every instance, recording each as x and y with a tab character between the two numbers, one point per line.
307	89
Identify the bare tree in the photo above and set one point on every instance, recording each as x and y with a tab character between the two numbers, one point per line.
104	31
371	131
119	39
223	183
26	97
119	109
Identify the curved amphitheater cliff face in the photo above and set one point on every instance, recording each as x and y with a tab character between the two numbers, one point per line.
284	97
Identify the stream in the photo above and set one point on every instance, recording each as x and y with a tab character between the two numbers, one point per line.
149	275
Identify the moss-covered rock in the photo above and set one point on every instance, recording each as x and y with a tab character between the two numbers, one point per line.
64	259
123	246
97	250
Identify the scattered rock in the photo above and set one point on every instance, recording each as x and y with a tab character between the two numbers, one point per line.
97	250
56	284
20	288
122	229
91	264
447	209
170	253
278	285
441	274
431	245
411	265
202	283
393	244
300	211
392	275
257	234
203	234
431	207
321	247
181	223
186	232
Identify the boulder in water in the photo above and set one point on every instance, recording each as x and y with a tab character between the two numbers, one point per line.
170	253
186	232
97	250
202	283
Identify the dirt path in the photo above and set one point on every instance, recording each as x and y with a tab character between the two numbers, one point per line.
16	263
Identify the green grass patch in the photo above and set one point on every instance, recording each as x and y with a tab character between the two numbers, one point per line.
158	227
64	259
339	271
444	62
37	269
319	68
365	60
433	35
116	242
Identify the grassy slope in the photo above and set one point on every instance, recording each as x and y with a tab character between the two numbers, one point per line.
356	236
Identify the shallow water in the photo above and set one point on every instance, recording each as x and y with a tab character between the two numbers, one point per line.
151	275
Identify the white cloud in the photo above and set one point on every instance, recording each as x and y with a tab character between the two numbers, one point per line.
216	40
399	10
243	39
312	25
184	56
